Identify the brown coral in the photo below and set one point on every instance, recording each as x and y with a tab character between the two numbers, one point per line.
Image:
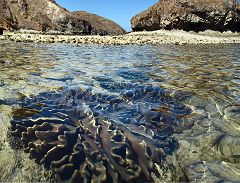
90	144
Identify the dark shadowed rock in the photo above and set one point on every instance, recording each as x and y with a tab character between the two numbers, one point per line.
196	15
42	15
101	25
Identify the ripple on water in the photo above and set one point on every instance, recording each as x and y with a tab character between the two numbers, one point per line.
204	78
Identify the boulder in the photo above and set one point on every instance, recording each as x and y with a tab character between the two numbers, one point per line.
190	15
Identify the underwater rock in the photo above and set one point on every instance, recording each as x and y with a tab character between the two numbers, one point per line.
232	113
227	127
132	75
216	171
229	147
87	137
2	102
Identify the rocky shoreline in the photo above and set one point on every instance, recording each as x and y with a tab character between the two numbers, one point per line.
177	37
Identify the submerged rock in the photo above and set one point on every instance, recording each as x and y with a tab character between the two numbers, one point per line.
83	136
216	171
232	113
15	165
191	15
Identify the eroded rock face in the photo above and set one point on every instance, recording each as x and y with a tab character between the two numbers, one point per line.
195	15
42	15
101	25
88	137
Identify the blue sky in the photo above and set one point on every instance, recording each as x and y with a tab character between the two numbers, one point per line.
120	11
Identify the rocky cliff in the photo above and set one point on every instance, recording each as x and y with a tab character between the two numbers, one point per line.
196	15
42	15
100	24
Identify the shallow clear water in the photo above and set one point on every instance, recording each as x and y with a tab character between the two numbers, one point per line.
211	70
204	77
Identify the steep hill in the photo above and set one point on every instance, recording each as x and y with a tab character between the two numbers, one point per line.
44	15
196	15
100	24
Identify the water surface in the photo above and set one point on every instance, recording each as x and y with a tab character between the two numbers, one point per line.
206	78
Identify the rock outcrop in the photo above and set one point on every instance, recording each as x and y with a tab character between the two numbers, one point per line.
41	15
100	25
195	15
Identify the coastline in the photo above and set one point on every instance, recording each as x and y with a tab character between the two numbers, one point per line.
177	37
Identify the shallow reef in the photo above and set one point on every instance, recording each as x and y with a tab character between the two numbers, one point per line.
94	137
